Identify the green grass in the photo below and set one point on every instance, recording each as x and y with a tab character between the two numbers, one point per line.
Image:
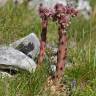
24	84
18	21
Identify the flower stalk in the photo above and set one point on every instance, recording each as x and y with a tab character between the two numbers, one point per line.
44	14
63	16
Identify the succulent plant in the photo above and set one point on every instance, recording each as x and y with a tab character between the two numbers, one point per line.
44	14
62	16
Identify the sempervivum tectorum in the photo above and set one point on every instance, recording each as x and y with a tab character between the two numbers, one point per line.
44	14
63	16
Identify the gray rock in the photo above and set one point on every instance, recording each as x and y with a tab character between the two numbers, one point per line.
46	3
29	45
85	8
3	2
73	85
51	3
12	70
12	57
53	68
54	59
4	75
33	4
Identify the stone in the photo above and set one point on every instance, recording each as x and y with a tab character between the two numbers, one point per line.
54	59
8	69
47	3
4	75
73	85
53	68
30	5
3	2
51	3
29	45
85	8
12	57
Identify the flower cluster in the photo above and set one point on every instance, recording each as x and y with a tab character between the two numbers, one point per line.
63	15
44	12
60	13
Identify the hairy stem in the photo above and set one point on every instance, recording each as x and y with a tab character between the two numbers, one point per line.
62	54
43	41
